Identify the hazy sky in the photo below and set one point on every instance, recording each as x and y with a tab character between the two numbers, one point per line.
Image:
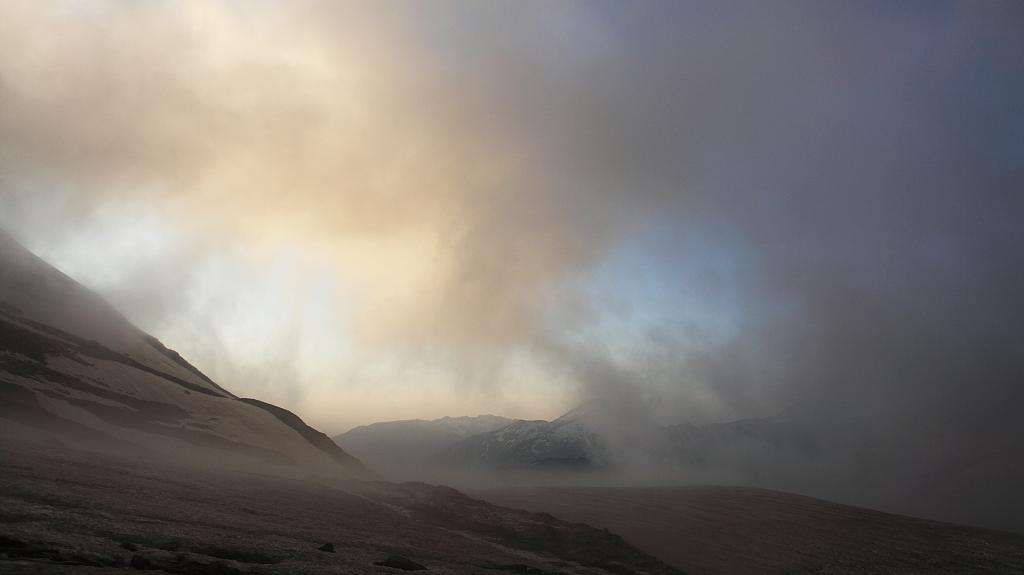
384	210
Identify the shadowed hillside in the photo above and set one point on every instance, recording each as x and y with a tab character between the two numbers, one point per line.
736	530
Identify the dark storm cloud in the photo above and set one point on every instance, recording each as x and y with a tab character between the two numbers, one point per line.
868	159
868	162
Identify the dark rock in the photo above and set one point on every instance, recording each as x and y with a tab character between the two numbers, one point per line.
9	543
215	568
328	547
399	562
128	545
10	547
521	568
141	563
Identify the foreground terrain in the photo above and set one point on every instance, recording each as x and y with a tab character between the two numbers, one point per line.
68	511
744	530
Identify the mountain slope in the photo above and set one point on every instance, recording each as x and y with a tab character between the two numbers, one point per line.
72	367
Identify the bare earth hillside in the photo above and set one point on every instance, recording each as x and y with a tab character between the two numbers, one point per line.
735	530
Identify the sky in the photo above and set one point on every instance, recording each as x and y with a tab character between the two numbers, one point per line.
388	210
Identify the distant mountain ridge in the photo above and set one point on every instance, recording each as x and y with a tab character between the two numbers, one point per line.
393	446
590	437
598	436
74	369
563	443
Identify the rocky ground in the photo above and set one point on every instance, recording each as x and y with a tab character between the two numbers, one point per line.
70	511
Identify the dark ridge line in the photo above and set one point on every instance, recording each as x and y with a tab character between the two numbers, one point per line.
6	309
81	346
27	341
178	359
314	437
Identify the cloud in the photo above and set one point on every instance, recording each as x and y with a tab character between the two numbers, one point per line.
847	174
